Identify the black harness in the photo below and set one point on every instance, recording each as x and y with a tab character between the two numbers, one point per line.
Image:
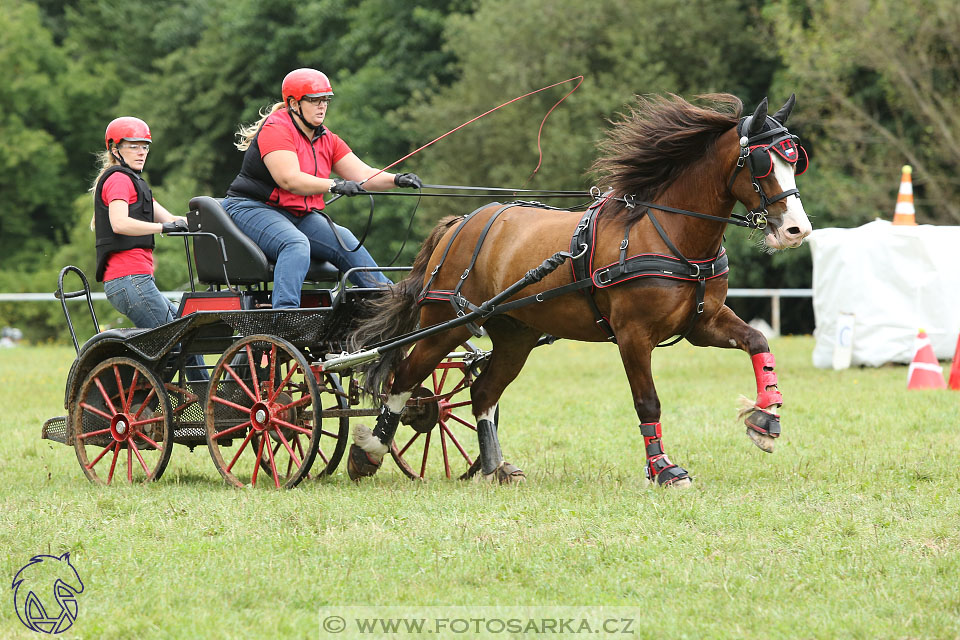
587	278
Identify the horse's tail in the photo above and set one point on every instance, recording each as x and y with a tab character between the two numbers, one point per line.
394	314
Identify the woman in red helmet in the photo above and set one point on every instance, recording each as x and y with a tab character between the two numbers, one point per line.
125	219
288	158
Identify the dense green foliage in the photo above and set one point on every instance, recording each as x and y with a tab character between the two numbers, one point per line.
878	86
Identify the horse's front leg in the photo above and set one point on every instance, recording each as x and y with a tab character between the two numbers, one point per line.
635	352
726	330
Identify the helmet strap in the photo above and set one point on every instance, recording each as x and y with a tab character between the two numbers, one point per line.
123	163
317	131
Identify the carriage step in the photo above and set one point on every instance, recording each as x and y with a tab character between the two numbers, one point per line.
55	429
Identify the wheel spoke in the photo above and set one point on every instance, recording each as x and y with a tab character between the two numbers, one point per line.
84	436
253	371
240	450
242	425
426	452
143	405
297	403
273	462
288	425
294	366
105	449
143	464
446	460
457	405
149	441
407	446
293	456
463	422
456	443
137	423
120	393
272	393
93	409
113	464
256	463
227	403
129	465
106	397
243	385
329	433
443	379
133	387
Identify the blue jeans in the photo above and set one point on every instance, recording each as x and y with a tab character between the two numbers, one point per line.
290	242
138	298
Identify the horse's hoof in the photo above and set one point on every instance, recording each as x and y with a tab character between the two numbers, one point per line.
680	483
762	440
506	473
361	464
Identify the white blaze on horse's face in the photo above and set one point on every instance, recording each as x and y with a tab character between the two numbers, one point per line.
794	226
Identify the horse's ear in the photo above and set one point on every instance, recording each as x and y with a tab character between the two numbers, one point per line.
784	112
757	120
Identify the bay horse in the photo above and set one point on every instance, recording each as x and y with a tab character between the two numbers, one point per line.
649	249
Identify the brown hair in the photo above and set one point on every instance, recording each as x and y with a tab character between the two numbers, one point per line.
648	149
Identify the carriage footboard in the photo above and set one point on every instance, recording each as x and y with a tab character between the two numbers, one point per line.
55	429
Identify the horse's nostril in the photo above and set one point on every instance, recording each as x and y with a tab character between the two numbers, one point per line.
794	231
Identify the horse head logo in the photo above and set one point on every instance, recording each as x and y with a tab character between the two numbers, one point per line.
45	593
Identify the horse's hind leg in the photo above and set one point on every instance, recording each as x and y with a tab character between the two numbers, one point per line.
635	352
761	416
512	343
369	447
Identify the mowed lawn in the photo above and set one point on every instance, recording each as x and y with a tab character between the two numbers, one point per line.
851	529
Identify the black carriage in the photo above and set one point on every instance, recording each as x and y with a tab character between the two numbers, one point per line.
269	408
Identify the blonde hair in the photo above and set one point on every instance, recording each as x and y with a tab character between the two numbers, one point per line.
246	134
105	160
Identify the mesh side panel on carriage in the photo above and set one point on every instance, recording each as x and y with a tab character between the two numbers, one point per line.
300	327
55	429
187	406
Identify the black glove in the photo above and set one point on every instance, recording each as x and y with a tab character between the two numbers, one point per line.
177	226
408	180
346	187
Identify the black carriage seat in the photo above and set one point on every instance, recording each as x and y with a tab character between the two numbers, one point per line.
246	262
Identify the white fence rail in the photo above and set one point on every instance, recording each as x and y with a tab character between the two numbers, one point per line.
775	296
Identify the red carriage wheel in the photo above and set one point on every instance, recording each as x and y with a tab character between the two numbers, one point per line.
334	431
260	410
442	436
121	425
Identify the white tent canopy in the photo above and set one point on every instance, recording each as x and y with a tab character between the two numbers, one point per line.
895	280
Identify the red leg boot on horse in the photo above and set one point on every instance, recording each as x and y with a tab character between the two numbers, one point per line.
762	416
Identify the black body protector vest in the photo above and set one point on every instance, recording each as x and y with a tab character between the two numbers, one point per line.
109	242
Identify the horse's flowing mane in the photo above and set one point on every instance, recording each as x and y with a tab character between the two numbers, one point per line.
659	138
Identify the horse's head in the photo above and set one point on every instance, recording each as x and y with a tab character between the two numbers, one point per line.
768	188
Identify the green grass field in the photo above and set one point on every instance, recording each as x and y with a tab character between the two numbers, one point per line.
851	529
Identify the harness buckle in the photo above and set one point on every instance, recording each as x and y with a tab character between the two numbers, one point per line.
697	274
435	269
583	251
623	244
603	277
629	201
699	308
595	191
466	272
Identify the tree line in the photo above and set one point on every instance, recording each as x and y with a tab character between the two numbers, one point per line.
877	84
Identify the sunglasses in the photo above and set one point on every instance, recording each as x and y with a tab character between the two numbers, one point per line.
136	147
318	100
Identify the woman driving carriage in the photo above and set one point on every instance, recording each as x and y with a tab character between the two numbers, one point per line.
125	219
288	157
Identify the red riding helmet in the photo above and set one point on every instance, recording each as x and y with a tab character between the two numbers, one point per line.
127	128
309	83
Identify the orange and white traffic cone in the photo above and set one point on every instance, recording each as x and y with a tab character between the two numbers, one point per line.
904	212
924	372
954	381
